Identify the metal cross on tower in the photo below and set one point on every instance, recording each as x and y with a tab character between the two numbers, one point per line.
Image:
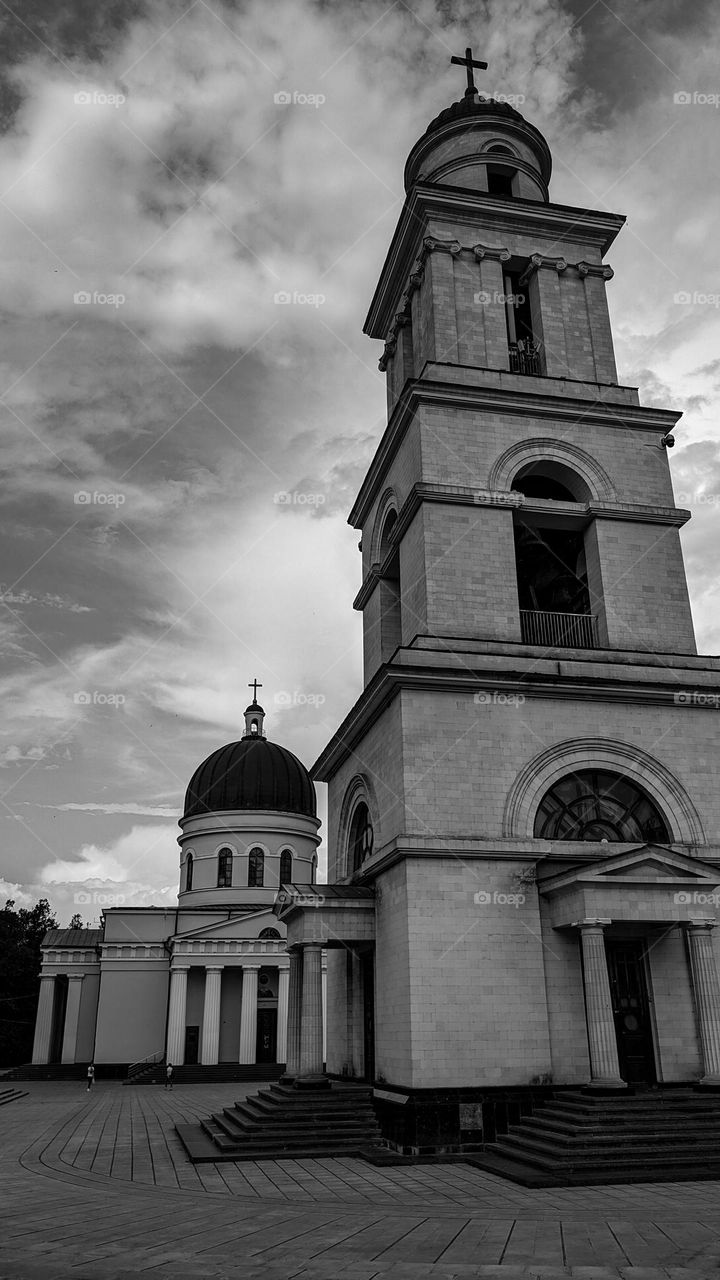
254	685
469	62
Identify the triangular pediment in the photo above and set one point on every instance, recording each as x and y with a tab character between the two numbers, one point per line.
243	925
647	864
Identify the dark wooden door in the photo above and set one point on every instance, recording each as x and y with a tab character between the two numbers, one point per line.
368	976
192	1045
631	1009
266	1043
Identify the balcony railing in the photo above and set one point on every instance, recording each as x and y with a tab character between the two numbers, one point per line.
525	358
558	630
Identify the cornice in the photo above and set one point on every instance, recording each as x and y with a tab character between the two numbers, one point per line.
593	227
537	673
492	399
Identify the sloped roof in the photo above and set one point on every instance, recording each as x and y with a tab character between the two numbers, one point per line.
72	938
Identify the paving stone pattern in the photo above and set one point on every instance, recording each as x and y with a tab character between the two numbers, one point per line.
97	1187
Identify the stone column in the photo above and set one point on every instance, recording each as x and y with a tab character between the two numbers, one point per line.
324	1015
311	1075
211	1017
72	1017
282	1013
294	1018
707	996
604	1065
175	1045
44	1019
248	1013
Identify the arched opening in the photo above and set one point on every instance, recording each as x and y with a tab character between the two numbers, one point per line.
224	876
551	560
270	935
389	588
500	179
597	804
286	867
188	872
361	838
256	869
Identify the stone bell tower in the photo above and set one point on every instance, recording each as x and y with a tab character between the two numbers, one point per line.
525	781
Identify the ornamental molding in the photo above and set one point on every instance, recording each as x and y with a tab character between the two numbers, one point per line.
133	951
61	955
480	251
230	947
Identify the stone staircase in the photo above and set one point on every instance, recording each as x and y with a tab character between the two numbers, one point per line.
224	1073
582	1139
286	1123
10	1095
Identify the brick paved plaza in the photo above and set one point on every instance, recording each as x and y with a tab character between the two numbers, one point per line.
99	1187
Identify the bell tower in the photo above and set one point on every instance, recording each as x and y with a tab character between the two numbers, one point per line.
533	702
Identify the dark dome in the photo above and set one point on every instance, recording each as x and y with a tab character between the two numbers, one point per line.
250	774
470	106
474	107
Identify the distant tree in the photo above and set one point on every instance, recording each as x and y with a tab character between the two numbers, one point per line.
21	933
76	922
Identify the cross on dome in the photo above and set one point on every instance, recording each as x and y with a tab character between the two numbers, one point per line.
469	62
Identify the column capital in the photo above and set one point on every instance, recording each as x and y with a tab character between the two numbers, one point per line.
591	923
179	968
501	254
213	968
701	922
75	977
604	271
245	967
431	244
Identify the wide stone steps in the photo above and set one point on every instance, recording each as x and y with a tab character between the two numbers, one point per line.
11	1095
284	1123
582	1139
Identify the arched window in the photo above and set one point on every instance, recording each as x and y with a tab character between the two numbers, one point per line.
256	869
225	860
361	837
390	595
286	867
498	150
271	935
595	804
188	872
545	478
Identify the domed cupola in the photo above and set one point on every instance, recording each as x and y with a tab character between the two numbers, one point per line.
251	803
251	774
482	144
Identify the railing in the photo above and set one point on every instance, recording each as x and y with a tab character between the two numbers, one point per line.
525	358
559	630
152	1059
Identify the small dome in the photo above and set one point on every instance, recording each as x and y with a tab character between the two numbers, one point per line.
438	154
250	774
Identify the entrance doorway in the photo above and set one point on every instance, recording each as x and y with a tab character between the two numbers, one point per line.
631	1009
266	1043
192	1046
367	961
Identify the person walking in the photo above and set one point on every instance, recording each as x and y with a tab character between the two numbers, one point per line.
169	1075
90	1077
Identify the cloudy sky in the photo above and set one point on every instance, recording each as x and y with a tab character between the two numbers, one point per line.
180	452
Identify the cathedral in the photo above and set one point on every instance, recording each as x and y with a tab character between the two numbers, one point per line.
205	983
524	816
